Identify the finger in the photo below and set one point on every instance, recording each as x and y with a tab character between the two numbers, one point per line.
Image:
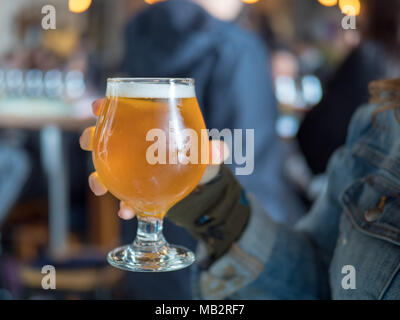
219	151
125	212
97	105
86	139
95	184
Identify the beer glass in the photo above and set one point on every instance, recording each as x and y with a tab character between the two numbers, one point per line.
147	132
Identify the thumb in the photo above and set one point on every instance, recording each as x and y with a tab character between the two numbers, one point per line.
219	152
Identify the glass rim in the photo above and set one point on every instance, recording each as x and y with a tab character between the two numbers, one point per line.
185	81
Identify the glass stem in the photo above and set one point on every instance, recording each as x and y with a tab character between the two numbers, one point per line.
149	235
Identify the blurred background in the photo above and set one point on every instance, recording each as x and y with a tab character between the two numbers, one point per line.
48	79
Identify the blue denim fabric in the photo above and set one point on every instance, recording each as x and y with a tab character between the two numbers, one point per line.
306	261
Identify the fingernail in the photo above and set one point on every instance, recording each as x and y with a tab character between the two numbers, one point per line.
96	186
96	106
86	139
216	154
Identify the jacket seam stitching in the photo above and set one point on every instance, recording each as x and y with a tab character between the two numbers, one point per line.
385	288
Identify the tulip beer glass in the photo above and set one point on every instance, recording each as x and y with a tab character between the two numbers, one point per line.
145	169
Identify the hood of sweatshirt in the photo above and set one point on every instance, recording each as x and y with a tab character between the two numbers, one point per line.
168	38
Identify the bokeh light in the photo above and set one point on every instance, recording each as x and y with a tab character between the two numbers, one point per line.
249	1
350	7
328	3
152	1
78	6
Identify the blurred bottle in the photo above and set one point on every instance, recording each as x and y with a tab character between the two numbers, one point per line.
15	83
2	83
75	84
34	83
53	84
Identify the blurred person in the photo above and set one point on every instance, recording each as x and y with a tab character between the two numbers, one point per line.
284	63
14	171
349	240
324	128
197	39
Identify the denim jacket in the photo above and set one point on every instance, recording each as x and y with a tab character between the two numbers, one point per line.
350	236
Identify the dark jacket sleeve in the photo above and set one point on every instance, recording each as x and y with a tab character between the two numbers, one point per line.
241	97
324	128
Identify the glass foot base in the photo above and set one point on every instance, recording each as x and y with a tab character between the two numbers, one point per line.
165	258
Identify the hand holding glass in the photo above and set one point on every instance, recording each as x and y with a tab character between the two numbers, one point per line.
132	108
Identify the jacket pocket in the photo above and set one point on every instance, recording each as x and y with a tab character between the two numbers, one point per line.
368	240
373	205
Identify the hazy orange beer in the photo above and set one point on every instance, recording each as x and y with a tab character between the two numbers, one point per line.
132	109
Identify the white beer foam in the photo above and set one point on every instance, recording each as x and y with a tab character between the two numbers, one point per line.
149	90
